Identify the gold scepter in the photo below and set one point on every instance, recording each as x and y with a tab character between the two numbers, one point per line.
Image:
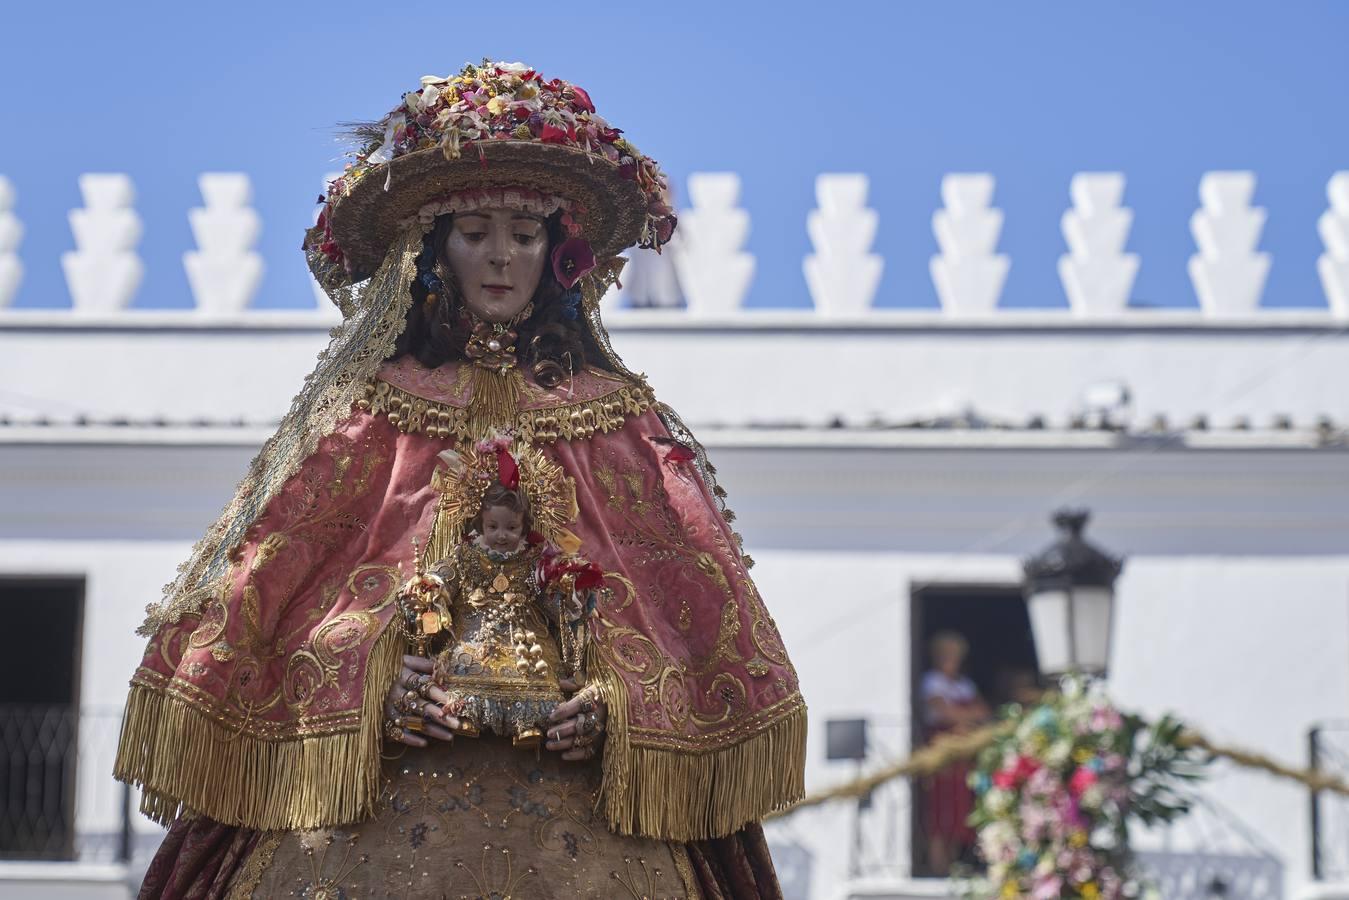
424	601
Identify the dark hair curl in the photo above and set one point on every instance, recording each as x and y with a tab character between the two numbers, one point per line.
553	342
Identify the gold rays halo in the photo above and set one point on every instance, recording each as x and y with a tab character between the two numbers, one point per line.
463	476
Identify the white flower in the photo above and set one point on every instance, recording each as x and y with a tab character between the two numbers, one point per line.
1093	797
994	837
998	801
517	68
1058	754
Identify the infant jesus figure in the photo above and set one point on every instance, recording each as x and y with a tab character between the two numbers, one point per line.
517	607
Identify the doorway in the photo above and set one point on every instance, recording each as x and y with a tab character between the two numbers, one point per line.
39	715
1001	663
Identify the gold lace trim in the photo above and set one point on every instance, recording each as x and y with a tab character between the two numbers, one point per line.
259	861
358	348
573	421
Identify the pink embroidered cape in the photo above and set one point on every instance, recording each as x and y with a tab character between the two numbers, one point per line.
264	709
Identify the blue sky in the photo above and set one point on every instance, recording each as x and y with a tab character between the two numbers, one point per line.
779	92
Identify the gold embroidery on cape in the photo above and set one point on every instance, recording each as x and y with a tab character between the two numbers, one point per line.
569	421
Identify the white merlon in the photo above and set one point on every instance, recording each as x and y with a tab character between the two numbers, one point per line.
223	271
714	272
1097	274
11	235
1228	272
1333	265
842	274
104	272
968	273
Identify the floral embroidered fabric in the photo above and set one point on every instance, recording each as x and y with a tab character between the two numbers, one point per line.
476	819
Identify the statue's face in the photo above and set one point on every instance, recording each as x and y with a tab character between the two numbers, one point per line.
497	256
502	528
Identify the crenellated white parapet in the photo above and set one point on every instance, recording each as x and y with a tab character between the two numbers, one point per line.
104	272
1228	273
968	273
842	273
223	271
1097	274
11	235
1333	265
714	272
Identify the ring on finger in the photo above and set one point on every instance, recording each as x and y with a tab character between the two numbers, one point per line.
420	682
412	723
392	730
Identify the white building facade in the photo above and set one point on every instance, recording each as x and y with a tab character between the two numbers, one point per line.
889	471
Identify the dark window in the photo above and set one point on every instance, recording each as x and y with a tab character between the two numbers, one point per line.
39	715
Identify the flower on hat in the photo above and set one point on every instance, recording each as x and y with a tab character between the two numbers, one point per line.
572	259
509	101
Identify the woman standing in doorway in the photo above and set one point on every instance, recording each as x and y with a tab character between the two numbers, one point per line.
951	703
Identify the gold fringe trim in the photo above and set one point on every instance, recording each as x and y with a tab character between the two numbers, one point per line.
495	400
182	759
677	795
572	421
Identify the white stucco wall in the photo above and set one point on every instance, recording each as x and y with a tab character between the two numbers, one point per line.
1251	651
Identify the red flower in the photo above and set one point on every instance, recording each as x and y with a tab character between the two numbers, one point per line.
1025	767
581	99
508	471
1082	779
586	575
572	259
554	135
1004	779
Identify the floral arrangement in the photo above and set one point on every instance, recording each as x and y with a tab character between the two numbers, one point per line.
507	101
1054	797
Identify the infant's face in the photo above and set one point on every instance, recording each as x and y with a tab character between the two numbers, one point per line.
503	529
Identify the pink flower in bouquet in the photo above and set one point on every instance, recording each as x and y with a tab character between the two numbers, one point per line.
1043	783
1047	887
1105	718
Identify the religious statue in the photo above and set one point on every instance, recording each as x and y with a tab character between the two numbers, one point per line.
475	623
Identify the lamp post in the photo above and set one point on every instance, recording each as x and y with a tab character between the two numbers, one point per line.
1070	594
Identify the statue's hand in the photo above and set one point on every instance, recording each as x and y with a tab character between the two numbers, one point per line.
576	727
412	696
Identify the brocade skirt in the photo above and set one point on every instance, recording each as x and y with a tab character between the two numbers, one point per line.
476	819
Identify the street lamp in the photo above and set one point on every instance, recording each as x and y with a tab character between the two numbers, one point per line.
1070	594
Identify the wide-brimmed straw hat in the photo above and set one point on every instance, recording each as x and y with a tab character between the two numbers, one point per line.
494	125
